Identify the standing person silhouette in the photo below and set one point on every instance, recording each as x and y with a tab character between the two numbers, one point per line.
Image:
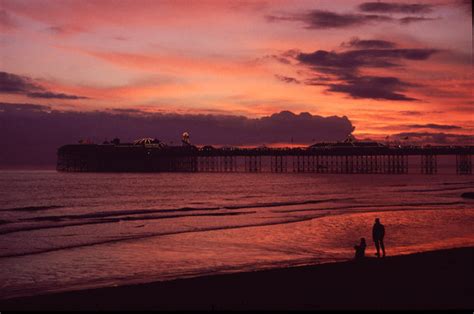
378	232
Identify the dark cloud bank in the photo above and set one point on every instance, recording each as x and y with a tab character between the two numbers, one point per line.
369	13
368	44
341	71
440	138
318	19
434	126
30	134
392	7
350	61
15	84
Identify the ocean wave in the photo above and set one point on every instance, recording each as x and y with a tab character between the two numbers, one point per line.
116	213
290	203
114	220
436	190
30	208
456	183
371	206
106	214
150	235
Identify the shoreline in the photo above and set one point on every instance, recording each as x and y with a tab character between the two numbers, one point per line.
439	279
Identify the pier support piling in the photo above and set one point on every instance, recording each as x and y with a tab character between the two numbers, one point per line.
429	164
463	164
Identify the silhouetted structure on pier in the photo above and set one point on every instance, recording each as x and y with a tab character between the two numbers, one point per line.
149	155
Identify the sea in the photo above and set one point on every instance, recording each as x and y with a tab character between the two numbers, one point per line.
71	231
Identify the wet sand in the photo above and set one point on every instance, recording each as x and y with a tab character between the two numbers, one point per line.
430	280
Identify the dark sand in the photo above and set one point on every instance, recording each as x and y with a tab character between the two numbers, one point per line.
431	280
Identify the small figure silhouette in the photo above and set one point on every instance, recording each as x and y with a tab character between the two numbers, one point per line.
378	233
360	249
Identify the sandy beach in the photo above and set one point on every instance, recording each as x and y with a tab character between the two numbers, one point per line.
429	280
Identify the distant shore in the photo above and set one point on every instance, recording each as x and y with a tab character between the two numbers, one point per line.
429	280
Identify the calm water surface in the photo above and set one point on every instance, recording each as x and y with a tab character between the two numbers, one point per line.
66	231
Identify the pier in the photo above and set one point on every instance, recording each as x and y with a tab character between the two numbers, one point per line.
333	158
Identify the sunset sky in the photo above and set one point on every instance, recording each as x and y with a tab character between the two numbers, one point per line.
392	68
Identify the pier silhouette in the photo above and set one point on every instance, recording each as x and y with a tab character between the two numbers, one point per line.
148	155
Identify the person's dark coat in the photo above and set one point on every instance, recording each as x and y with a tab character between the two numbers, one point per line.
378	232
